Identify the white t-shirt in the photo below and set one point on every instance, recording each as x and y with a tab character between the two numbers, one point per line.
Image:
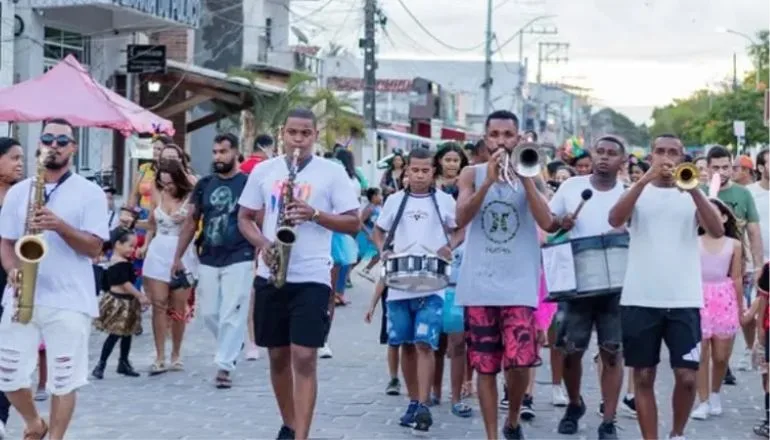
325	186
663	255
762	202
593	219
65	278
420	229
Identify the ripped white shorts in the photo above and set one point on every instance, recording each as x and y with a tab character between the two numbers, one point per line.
66	335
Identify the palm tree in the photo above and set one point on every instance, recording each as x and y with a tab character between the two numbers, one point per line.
336	117
268	111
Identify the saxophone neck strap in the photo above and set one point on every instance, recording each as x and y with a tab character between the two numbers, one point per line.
47	194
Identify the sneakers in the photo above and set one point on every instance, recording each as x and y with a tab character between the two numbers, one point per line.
252	352
407	420
569	423
744	364
701	412
558	398
511	433
607	431
729	378
628	406
285	433
325	352
715	404
527	413
394	387
504	400
422	420
41	395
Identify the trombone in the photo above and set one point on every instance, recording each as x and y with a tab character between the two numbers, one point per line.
686	176
524	161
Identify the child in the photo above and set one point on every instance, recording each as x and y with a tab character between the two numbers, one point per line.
381	295
757	307
721	265
120	309
366	248
415	319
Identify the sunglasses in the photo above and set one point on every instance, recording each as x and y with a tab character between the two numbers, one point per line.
61	140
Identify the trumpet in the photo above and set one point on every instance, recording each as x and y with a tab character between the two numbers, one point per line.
524	161
686	176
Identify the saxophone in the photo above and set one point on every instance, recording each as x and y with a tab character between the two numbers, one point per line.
285	234
30	248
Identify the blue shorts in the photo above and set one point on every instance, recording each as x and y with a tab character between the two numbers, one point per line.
418	320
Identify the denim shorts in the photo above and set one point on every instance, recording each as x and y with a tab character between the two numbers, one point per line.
417	320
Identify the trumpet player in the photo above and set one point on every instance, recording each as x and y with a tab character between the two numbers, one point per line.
660	214
71	222
499	275
306	198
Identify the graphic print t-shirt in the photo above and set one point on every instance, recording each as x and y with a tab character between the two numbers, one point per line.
420	229
217	200
322	184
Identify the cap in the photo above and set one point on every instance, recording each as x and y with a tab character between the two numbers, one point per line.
745	162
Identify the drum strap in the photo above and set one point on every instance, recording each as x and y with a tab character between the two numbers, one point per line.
440	219
388	244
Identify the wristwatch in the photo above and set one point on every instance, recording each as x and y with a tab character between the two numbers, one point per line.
316	215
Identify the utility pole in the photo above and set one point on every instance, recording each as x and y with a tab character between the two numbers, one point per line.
487	85
369	150
547	53
531	30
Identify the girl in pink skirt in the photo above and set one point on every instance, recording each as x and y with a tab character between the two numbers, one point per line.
722	274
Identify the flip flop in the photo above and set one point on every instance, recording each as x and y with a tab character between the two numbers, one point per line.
158	367
36	435
223	381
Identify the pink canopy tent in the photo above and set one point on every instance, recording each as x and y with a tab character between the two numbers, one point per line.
67	91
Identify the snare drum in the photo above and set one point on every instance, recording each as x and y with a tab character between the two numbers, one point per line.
416	273
599	267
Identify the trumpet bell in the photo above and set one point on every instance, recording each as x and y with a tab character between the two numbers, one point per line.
527	162
686	176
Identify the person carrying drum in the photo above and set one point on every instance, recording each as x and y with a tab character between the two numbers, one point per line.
417	221
499	275
582	314
662	291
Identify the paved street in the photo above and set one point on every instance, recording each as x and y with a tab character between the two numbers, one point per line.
351	401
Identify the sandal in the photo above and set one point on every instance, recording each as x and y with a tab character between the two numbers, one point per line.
177	365
36	435
339	300
461	409
763	429
158	367
223	380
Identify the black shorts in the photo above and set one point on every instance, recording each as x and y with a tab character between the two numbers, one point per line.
646	328
579	318
297	313
384	323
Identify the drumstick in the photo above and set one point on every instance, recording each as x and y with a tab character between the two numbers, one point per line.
584	196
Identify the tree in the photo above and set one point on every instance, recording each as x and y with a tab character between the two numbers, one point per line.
760	54
608	121
269	111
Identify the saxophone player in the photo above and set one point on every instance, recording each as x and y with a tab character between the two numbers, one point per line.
308	198
71	221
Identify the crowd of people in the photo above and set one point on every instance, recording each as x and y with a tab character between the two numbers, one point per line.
185	245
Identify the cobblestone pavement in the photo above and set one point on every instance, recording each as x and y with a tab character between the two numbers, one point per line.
351	399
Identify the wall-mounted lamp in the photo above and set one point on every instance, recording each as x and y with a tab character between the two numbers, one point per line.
153	87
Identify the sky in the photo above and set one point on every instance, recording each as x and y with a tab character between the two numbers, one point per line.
633	55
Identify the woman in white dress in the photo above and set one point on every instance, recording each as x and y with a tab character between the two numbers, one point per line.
167	290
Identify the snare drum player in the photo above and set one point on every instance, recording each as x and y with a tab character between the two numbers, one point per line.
74	224
415	319
291	320
662	293
603	312
499	275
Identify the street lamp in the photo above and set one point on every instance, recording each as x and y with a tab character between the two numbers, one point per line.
724	30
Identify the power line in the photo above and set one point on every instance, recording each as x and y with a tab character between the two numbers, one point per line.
435	38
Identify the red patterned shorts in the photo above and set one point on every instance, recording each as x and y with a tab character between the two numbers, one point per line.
501	336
